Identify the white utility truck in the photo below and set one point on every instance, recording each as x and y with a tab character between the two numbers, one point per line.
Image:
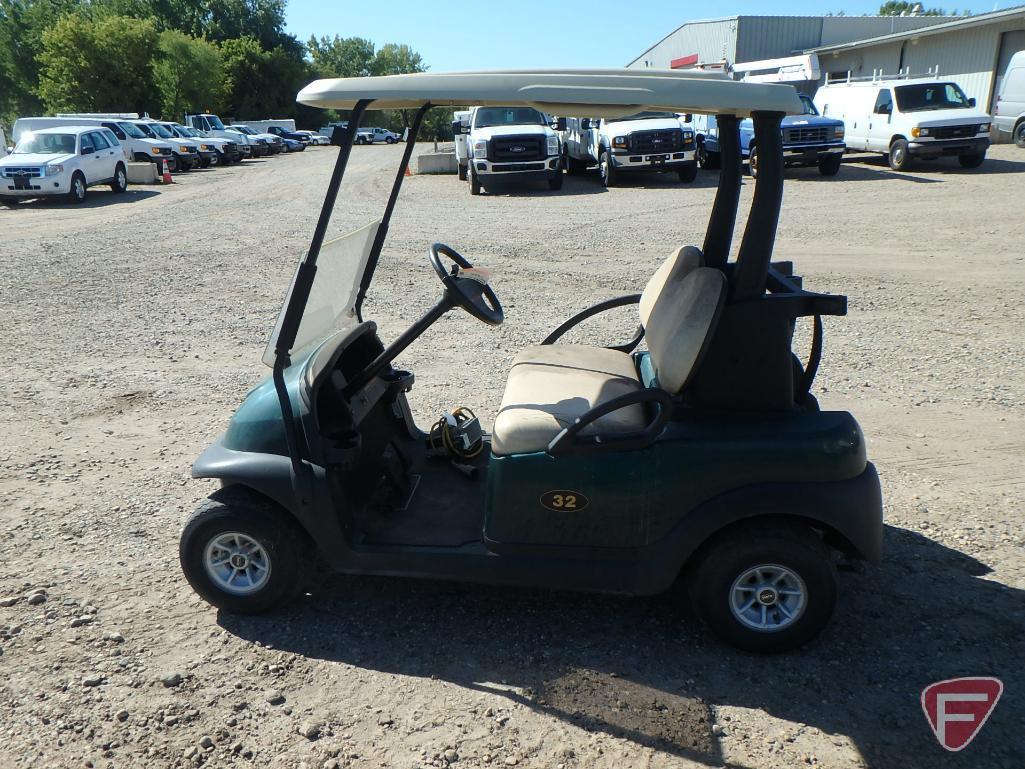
646	141
906	117
513	144
460	128
136	144
264	126
212	127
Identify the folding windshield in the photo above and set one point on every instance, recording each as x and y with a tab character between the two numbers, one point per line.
332	301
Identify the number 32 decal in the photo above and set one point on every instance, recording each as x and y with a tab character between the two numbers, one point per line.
561	500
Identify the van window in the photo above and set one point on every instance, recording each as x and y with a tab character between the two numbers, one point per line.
132	130
117	131
884	102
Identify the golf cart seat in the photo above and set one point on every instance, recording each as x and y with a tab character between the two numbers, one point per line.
552	386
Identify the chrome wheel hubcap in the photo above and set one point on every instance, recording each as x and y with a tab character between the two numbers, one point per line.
237	563
768	598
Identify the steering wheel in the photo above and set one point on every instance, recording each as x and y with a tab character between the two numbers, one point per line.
466	287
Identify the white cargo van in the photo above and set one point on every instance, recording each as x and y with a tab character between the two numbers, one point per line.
1009	110
646	141
906	118
264	126
137	146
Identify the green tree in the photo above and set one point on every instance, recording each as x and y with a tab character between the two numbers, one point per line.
22	23
341	56
98	65
188	74
261	83
899	7
395	59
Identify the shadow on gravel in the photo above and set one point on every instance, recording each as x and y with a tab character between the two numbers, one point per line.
644	671
876	165
96	198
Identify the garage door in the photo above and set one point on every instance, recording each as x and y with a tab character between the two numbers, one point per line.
1010	44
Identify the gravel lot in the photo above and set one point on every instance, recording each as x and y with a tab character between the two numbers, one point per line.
137	325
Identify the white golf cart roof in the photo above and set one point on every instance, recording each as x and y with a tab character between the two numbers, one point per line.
600	92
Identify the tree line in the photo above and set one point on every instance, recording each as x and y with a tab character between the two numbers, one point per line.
166	57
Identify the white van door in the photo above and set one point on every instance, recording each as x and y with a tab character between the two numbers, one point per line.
880	122
1012	96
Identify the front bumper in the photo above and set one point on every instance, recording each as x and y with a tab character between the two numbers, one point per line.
625	160
934	148
534	169
35	186
795	154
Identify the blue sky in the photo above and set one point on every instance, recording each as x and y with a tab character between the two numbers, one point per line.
537	33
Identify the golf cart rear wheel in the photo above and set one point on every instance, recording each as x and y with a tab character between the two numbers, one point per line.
244	554
765	588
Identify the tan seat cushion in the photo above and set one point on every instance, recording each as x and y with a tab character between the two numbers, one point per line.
551	385
674	268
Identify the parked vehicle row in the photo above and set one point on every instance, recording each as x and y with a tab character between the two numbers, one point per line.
63	155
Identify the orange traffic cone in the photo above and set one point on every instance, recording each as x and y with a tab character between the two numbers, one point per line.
166	173
408	172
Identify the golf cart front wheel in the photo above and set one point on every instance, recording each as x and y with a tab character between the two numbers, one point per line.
765	589
242	553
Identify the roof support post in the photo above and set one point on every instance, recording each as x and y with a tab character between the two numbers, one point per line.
382	231
723	219
752	268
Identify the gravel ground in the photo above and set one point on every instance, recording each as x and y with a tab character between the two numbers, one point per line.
136	326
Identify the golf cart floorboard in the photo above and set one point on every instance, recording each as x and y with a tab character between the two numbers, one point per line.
445	509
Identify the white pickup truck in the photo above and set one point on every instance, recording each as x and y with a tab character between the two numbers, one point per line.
646	141
375	136
513	144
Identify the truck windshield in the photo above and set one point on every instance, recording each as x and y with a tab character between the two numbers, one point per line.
244	129
131	129
160	131
645	116
497	116
46	144
215	122
809	105
188	131
929	96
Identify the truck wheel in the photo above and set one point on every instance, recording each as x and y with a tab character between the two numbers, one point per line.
389	140
9	202
555	182
899	158
607	169
829	165
1019	134
574	166
973	160
244	554
78	190
752	162
474	181
688	172
707	160
462	173
765	588
120	183
204	162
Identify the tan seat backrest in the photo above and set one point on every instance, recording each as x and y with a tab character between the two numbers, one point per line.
682	323
674	268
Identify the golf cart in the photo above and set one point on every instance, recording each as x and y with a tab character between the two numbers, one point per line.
695	452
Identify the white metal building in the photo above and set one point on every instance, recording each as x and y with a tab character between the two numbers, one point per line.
752	38
972	51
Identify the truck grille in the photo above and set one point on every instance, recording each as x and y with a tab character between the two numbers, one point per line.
955	131
517	149
807	135
655	141
11	172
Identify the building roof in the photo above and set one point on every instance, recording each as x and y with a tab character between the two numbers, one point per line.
963	22
594	92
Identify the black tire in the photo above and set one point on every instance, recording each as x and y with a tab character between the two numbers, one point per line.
688	172
606	170
474	181
707	160
829	165
752	162
574	166
9	202
555	183
462	173
716	580
120	183
1019	134
389	140
899	157
287	552
974	160
78	188
204	162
